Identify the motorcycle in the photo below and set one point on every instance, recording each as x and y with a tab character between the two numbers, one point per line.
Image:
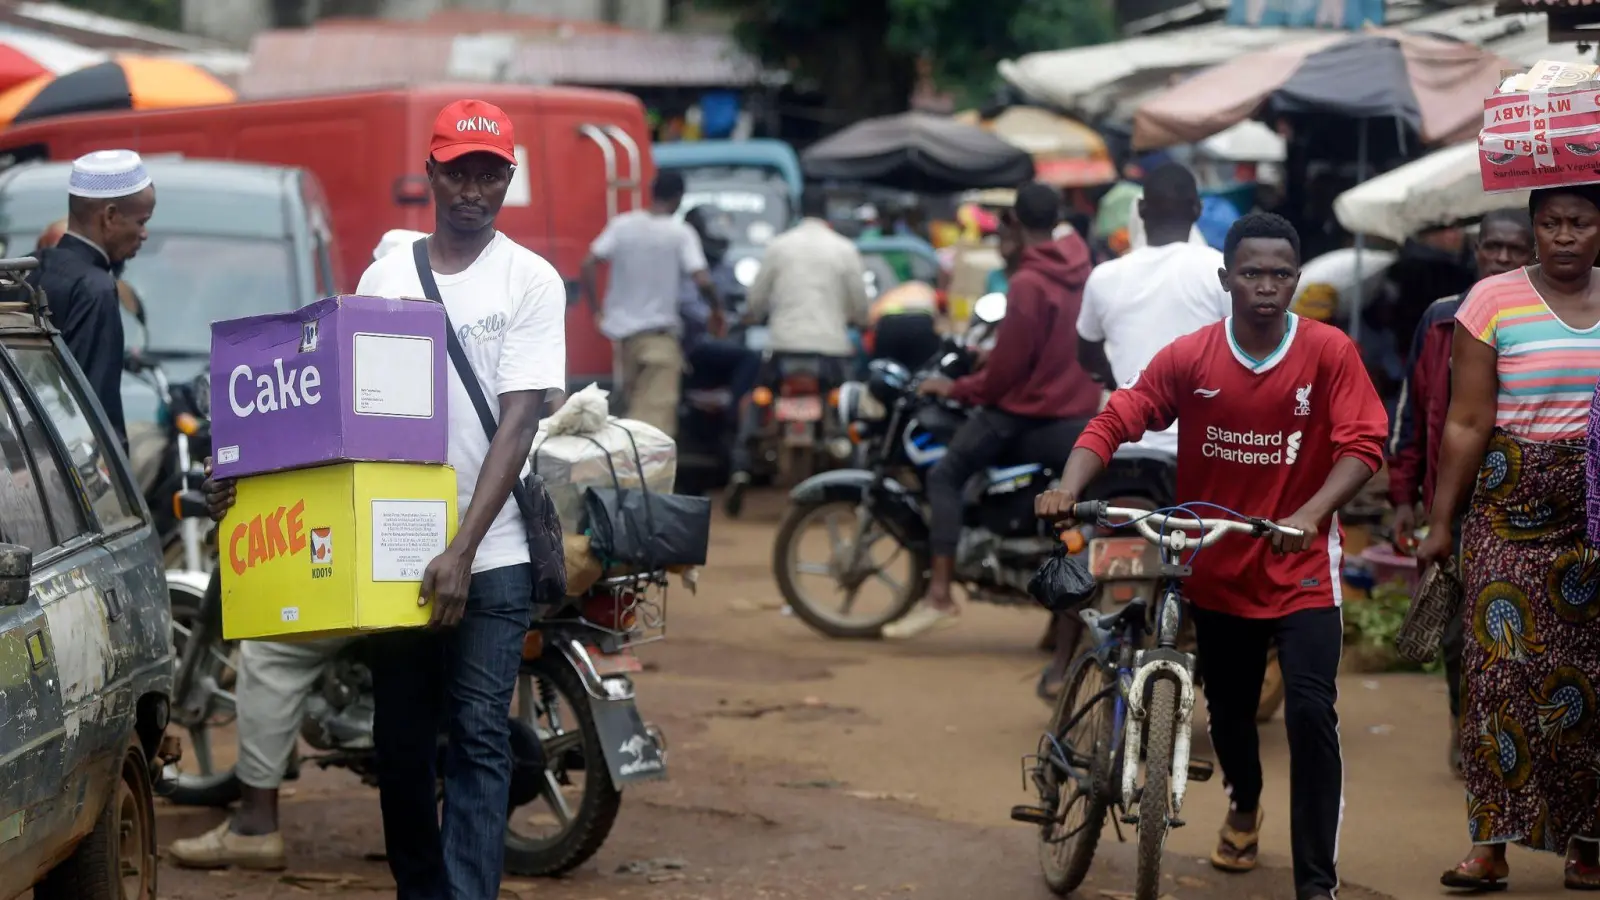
577	738
183	416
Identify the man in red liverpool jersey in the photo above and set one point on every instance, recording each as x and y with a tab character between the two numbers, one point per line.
1279	420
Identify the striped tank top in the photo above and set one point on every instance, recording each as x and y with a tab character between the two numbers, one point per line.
1547	370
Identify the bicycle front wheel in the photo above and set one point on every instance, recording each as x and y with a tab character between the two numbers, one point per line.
1083	727
1155	801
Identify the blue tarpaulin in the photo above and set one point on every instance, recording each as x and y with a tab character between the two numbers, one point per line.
1351	14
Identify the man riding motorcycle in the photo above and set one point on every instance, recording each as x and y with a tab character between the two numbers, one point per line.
811	289
1033	396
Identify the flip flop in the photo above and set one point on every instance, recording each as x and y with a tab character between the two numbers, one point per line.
1470	875
1582	877
1237	850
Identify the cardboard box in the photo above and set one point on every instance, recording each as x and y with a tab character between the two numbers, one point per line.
333	550
346	378
1541	129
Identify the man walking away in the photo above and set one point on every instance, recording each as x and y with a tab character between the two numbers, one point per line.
1505	243
508	307
651	252
812	287
109	202
1032	396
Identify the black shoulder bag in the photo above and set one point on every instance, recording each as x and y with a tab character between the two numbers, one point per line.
545	548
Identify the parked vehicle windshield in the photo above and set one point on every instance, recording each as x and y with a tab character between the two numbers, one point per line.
755	200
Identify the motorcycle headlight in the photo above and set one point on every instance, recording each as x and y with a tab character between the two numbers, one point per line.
202	395
746	270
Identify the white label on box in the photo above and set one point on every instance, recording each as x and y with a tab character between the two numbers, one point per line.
406	536
290	613
229	454
393	375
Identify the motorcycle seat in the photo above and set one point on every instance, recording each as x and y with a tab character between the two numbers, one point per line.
1104	625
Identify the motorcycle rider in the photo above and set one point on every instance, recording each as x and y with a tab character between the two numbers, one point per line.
1280	420
274	680
1505	243
812	287
713	359
1135	305
1032	397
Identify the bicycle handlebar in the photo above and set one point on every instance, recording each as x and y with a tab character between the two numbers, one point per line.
1151	524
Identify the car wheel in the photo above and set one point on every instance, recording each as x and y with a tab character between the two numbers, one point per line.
117	861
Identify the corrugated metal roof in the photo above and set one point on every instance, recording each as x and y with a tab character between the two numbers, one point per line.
340	59
634	59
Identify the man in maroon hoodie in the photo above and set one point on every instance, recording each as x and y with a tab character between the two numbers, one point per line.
1032	396
1505	242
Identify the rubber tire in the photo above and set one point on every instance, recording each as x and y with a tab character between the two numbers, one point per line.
1155	800
597	812
218	790
94	870
1272	689
1066	879
791	594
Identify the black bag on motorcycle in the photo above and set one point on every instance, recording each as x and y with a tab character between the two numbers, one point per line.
1063	583
640	527
545	548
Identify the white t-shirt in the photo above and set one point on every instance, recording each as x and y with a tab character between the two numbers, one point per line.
650	257
1143	301
509	310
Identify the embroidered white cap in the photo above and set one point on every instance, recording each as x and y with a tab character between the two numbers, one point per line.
107	175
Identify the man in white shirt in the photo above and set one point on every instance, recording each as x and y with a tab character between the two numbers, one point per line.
1140	302
508	309
812	287
652	253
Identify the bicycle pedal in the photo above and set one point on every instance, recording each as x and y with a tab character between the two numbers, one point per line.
1201	770
1175	823
1033	815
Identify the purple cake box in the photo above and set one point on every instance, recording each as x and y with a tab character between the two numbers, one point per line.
346	378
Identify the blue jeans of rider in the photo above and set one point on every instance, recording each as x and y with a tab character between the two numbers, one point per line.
459	683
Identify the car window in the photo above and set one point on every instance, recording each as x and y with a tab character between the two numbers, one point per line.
60	500
82	436
22	516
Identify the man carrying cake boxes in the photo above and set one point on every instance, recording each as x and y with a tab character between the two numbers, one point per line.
368	450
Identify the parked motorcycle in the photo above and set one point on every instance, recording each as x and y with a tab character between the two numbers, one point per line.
576	735
183	414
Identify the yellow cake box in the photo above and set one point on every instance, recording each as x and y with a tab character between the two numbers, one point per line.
333	550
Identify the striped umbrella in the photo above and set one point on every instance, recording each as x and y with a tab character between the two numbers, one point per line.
24	55
127	82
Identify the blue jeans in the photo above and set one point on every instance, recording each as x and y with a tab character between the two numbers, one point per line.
459	683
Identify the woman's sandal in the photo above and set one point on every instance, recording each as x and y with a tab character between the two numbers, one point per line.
1478	874
1582	876
1236	850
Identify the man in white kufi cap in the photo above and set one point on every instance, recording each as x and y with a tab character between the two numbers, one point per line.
109	201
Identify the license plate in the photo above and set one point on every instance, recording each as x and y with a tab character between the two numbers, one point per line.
799	434
623	662
1131	558
799	409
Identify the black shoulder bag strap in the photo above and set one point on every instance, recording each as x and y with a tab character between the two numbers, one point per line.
469	378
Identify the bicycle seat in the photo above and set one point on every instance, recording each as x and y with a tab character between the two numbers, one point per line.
1105	625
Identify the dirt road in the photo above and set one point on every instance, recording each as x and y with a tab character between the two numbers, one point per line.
814	770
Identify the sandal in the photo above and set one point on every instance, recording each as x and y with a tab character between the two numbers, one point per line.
1477	874
1581	876
1236	850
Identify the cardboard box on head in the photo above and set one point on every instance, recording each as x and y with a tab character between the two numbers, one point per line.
1542	129
333	550
346	378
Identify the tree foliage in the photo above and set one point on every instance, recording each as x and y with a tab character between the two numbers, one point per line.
864	53
160	13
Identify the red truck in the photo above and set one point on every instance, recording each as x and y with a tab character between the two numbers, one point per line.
583	157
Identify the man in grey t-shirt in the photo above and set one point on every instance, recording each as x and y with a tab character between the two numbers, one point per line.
651	252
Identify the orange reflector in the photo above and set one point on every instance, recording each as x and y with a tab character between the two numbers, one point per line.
177	504
762	396
533	645
188	424
1073	539
855	432
833	397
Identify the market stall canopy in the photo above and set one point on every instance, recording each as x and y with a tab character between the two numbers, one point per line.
24	56
127	82
1433	85
1439	189
918	152
1066	153
1248	141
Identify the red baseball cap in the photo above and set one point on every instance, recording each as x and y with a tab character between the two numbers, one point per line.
472	126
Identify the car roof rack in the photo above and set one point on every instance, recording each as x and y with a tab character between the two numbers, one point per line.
13	280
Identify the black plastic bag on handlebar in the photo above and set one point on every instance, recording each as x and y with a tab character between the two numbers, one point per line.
1063	583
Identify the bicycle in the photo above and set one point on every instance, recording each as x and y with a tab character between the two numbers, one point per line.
1134	706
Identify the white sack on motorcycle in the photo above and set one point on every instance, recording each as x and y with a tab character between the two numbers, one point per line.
1063	583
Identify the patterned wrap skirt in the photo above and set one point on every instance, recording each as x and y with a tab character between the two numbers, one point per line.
1530	748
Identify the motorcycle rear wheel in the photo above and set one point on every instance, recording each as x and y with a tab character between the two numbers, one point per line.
581	836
